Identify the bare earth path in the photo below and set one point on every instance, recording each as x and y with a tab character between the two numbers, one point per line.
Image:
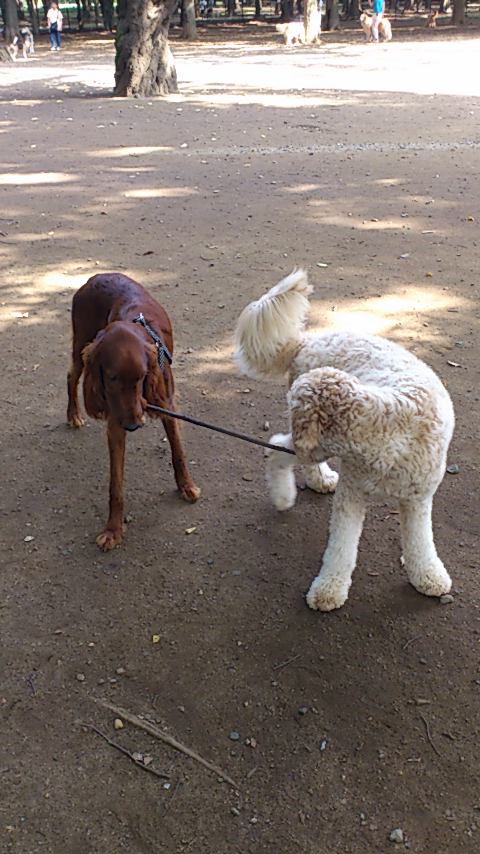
361	163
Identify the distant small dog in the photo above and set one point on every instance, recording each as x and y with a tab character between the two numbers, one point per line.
293	32
23	41
384	28
432	19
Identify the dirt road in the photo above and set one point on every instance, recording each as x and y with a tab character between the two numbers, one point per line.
351	724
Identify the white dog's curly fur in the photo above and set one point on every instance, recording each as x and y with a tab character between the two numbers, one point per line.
363	399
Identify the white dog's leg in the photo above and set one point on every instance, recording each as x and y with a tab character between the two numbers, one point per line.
424	568
280	473
321	478
330	588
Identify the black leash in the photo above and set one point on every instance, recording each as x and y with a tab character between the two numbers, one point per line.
163	352
224	430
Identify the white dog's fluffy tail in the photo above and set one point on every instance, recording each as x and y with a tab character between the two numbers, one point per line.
270	329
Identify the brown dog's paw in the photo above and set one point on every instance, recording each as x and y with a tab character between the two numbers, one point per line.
109	538
190	493
75	420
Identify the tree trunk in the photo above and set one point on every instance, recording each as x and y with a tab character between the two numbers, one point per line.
32	8
10	20
107	14
332	17
459	13
258	8
312	21
352	9
287	10
189	25
143	62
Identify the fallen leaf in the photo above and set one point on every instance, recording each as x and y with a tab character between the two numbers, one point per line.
453	364
155	638
191	530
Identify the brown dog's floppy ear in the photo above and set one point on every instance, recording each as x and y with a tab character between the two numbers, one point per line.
158	384
93	390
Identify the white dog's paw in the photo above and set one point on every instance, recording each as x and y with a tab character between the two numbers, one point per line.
283	489
319	480
431	579
280	474
327	595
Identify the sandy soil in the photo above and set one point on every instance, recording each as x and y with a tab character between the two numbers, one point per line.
350	724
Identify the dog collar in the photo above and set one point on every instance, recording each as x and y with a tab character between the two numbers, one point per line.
162	350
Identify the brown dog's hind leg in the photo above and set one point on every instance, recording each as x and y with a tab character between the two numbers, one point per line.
74	418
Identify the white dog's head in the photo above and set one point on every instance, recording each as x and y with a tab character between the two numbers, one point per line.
326	407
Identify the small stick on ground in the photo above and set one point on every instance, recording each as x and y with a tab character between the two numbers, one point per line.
427	730
169	802
127	753
409	642
167	739
287	662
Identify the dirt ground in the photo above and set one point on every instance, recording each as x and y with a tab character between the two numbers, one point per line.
362	163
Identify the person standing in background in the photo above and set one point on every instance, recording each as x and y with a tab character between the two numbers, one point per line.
55	23
378	7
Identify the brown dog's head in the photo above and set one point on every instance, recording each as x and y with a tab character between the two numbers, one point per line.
121	371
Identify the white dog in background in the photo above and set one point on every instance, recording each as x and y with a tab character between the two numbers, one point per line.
371	403
293	32
384	27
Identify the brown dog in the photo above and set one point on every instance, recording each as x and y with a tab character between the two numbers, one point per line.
126	366
432	19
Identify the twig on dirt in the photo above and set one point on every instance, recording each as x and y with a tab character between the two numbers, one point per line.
127	753
169	802
287	662
251	772
31	683
409	642
297	843
427	730
167	739
312	670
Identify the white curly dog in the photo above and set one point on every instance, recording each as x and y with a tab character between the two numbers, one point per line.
363	399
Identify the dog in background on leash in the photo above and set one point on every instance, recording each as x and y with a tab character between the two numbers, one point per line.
370	403
24	42
384	27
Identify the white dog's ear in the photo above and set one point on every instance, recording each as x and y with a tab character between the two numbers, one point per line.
307	435
309	418
321	405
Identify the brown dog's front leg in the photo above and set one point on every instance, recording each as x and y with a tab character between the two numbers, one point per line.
112	535
188	490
